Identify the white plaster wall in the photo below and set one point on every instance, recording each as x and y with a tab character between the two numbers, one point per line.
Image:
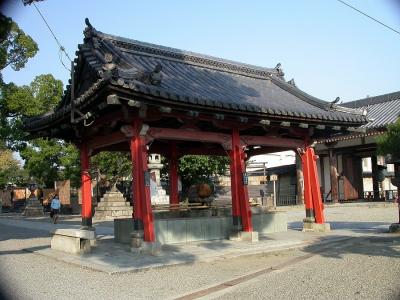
275	159
366	164
367	182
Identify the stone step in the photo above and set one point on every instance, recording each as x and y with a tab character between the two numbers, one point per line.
109	204
118	213
112	208
112	199
109	218
112	196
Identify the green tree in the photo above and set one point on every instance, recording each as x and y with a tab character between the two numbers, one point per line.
112	164
16	102
15	46
195	169
10	169
51	160
45	160
389	143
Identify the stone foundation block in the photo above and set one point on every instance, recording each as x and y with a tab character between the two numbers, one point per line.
72	240
394	228
234	235
249	236
136	239
152	248
315	227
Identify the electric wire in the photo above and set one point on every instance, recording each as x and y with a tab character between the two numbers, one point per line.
61	48
368	16
60	57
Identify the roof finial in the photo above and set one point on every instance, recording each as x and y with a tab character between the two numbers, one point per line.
291	82
279	69
333	103
88	23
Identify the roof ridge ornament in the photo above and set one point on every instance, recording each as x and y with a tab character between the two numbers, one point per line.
89	31
292	82
279	69
333	104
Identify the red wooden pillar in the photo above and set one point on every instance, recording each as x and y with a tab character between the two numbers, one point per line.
312	192
308	203
147	213
143	215
237	223
173	175
136	179
244	196
241	188
315	186
86	187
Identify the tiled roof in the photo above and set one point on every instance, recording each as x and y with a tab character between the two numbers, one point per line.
382	110
188	78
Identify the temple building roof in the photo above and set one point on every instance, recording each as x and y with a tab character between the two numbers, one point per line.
382	110
161	75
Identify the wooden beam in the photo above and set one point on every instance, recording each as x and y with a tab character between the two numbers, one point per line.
107	140
188	135
272	141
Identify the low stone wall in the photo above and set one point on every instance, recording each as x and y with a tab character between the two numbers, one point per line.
185	230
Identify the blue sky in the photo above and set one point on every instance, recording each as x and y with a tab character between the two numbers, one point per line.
328	49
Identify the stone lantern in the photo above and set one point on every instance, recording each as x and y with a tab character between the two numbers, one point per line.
33	207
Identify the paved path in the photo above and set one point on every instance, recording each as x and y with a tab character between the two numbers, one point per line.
368	258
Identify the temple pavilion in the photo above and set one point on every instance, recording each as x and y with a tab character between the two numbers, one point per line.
126	95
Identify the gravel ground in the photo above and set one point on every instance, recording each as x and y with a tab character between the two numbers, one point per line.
26	275
363	267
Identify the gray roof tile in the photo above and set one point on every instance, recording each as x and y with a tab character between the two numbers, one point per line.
382	110
201	79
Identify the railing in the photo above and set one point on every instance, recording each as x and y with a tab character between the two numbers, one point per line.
286	200
388	195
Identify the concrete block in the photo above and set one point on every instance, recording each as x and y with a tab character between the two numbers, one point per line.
66	244
161	231
267	223
273	222
249	236
226	226
195	230
315	227
72	240
212	228
234	235
176	231
122	230
85	246
136	239
257	222
152	248
394	228
78	233
281	222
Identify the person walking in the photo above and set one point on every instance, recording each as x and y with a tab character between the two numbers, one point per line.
55	208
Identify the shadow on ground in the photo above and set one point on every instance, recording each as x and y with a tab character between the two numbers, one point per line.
387	245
